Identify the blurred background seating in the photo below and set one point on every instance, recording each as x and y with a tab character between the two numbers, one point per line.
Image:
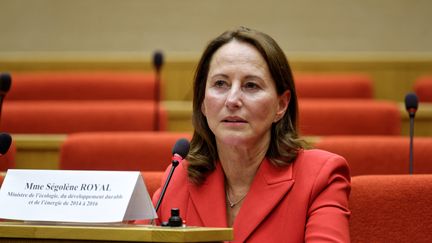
334	86
136	151
63	117
348	117
152	180
391	208
33	120
380	155
7	160
423	88
82	85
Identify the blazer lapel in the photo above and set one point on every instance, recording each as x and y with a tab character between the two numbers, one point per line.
270	185
209	199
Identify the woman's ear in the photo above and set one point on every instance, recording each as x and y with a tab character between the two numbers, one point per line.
283	101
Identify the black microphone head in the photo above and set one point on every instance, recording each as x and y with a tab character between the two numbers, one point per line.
411	102
5	82
5	142
181	147
158	60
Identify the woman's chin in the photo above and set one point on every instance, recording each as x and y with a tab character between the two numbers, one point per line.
235	139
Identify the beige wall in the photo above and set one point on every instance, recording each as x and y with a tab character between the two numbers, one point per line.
184	26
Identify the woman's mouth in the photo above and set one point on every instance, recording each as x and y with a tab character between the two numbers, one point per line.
234	120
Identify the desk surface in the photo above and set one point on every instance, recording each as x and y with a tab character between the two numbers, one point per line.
120	232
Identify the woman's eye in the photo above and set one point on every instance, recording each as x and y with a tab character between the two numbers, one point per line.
219	83
251	85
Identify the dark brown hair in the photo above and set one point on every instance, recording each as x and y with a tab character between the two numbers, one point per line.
284	142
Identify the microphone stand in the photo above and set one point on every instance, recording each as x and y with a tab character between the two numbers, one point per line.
174	165
411	147
5	85
411	105
157	62
180	150
157	100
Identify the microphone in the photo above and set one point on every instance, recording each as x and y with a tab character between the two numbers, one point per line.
157	63
158	60
5	143
179	152
411	105
5	84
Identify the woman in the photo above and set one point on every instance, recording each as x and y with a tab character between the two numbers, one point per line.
247	168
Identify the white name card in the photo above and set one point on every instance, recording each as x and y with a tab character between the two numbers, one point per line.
75	196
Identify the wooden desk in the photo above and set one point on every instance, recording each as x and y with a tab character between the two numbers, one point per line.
20	232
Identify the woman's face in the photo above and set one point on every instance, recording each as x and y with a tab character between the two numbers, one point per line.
241	101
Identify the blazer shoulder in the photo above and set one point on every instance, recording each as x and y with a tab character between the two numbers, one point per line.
318	156
313	160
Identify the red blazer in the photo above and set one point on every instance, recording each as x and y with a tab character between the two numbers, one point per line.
305	201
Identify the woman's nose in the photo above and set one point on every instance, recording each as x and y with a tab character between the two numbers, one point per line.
233	99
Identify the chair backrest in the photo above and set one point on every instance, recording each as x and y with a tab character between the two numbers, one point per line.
152	180
80	116
349	117
334	86
2	176
423	88
7	161
391	208
369	155
96	85
138	151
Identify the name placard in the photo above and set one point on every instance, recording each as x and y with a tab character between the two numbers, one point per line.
75	196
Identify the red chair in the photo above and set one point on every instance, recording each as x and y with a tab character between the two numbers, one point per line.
80	116
152	180
334	86
2	176
320	117
391	208
423	88
7	161
368	155
67	85
143	151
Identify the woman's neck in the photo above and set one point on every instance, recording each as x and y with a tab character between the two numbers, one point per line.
241	164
